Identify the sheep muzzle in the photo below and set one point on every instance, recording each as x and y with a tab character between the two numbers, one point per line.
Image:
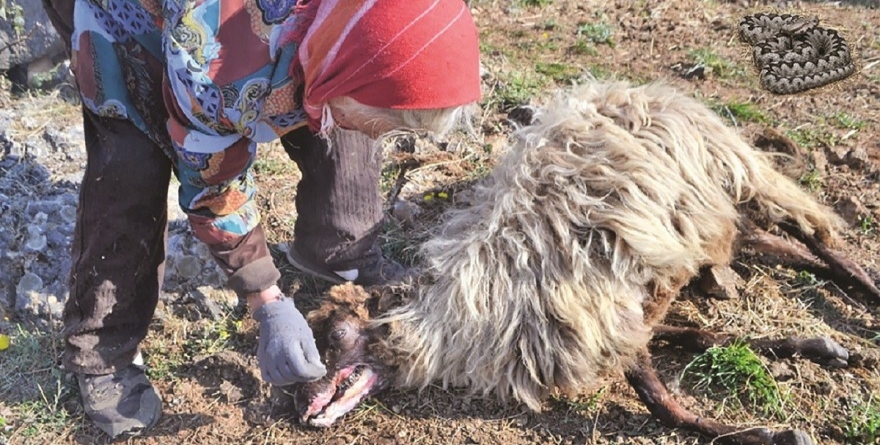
353	374
321	403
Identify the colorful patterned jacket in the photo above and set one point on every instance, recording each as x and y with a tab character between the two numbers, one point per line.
207	80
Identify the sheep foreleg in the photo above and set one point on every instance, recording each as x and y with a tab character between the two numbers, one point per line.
821	350
653	393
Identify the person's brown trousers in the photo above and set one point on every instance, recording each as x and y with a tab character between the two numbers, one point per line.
338	202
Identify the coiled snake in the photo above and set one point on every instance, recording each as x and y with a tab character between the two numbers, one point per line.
793	53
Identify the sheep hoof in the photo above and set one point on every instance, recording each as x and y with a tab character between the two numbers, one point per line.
792	437
825	352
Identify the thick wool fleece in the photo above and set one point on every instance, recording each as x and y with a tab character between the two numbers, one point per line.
612	200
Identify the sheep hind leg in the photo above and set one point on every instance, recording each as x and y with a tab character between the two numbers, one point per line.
821	350
843	269
818	258
662	405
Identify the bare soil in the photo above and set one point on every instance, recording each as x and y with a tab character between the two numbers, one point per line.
217	396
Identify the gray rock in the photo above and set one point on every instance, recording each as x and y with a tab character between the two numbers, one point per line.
188	264
38	39
43	206
188	267
7	271
68	213
36	242
29	282
56	239
38	198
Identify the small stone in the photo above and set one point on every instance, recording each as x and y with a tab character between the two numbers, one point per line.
6	299
13	149
207	304
56	239
857	158
214	278
28	122
29	283
201	250
720	282
34	230
40	219
852	209
68	213
36	243
781	371
233	393
405	211
188	266
820	161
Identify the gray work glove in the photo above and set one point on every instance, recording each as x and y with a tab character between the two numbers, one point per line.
287	346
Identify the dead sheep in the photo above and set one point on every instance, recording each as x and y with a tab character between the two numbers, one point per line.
564	264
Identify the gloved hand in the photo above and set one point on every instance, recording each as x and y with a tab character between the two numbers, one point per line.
287	350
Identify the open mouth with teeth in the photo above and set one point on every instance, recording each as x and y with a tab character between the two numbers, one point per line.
330	398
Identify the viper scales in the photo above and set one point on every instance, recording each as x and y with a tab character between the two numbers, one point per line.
793	53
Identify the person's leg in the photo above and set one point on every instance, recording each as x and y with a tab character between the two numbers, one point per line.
339	208
117	258
118	247
118	255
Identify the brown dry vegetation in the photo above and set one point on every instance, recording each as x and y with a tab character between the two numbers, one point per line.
206	369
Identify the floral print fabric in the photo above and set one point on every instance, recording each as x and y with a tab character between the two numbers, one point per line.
206	79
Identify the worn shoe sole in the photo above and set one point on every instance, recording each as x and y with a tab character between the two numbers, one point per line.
298	261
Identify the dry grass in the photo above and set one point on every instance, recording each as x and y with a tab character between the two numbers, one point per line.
38	401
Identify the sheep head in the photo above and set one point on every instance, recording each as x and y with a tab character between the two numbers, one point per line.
344	336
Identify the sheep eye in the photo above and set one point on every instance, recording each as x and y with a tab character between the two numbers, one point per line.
337	334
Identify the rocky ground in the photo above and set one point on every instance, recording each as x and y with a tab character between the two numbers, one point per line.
44	156
201	348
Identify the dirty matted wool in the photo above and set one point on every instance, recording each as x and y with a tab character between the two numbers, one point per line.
615	197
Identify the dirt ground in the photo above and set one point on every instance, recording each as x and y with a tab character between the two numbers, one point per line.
214	395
